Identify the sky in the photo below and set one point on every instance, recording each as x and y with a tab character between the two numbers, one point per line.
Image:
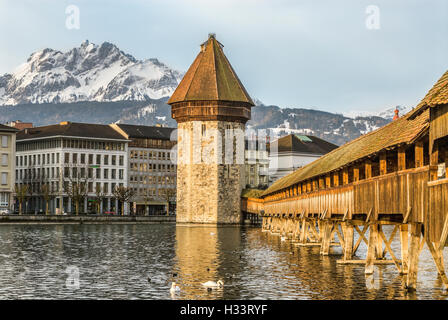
337	56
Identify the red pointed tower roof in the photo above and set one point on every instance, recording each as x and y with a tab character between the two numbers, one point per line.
211	78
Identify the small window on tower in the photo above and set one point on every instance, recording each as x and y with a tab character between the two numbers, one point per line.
204	128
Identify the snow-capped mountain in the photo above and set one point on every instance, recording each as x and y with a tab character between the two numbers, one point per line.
87	73
387	113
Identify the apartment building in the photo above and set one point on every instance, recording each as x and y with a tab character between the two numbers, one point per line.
293	151
256	164
152	169
55	156
7	167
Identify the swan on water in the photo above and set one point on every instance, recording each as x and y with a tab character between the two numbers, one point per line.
174	288
213	284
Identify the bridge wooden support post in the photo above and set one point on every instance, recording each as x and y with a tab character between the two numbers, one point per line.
296	235
371	248
436	250
348	231
304	231
404	247
379	244
414	252
326	238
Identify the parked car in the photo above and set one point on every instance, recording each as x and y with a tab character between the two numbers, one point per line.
4	211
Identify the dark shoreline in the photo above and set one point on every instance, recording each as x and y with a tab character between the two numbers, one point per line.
87	219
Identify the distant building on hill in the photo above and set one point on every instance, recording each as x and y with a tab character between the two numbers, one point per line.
293	151
20	125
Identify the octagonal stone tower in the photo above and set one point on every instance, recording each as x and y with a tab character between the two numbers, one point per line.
211	107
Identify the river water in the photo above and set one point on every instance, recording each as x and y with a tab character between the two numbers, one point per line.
116	262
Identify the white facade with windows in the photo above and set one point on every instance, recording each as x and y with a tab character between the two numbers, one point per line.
101	159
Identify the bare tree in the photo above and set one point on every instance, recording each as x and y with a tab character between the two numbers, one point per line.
47	194
123	194
75	184
168	195
21	194
100	195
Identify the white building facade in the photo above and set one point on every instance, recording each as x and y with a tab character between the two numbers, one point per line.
54	155
291	152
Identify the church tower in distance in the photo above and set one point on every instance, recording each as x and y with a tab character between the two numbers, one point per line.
211	107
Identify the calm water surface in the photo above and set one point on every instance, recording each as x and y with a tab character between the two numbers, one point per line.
115	262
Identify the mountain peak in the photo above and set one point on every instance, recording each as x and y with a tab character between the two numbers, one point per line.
89	72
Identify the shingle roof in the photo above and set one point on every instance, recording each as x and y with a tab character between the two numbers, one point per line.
210	78
146	132
7	128
302	144
71	129
404	130
437	95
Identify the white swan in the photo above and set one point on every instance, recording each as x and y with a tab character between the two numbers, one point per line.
212	284
174	288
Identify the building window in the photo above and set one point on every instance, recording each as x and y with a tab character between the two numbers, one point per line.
114	160
4	178
204	129
4	199
106	159
122	160
4	159
4	141
98	159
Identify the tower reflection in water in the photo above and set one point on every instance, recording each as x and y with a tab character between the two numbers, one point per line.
205	253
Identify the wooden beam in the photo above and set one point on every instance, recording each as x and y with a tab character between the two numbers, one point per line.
321	183
336	178
328	181
348	231
368	169
371	248
434	160
383	163
345	176
419	154
414	252
356	173
401	158
404	247
444	235
437	255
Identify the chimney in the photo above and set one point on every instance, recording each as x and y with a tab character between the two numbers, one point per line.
396	116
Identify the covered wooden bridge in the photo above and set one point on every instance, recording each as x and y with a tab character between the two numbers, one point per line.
392	176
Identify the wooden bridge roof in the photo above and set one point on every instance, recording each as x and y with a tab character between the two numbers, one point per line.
436	96
402	131
210	78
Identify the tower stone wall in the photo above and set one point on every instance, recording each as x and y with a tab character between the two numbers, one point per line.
209	183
